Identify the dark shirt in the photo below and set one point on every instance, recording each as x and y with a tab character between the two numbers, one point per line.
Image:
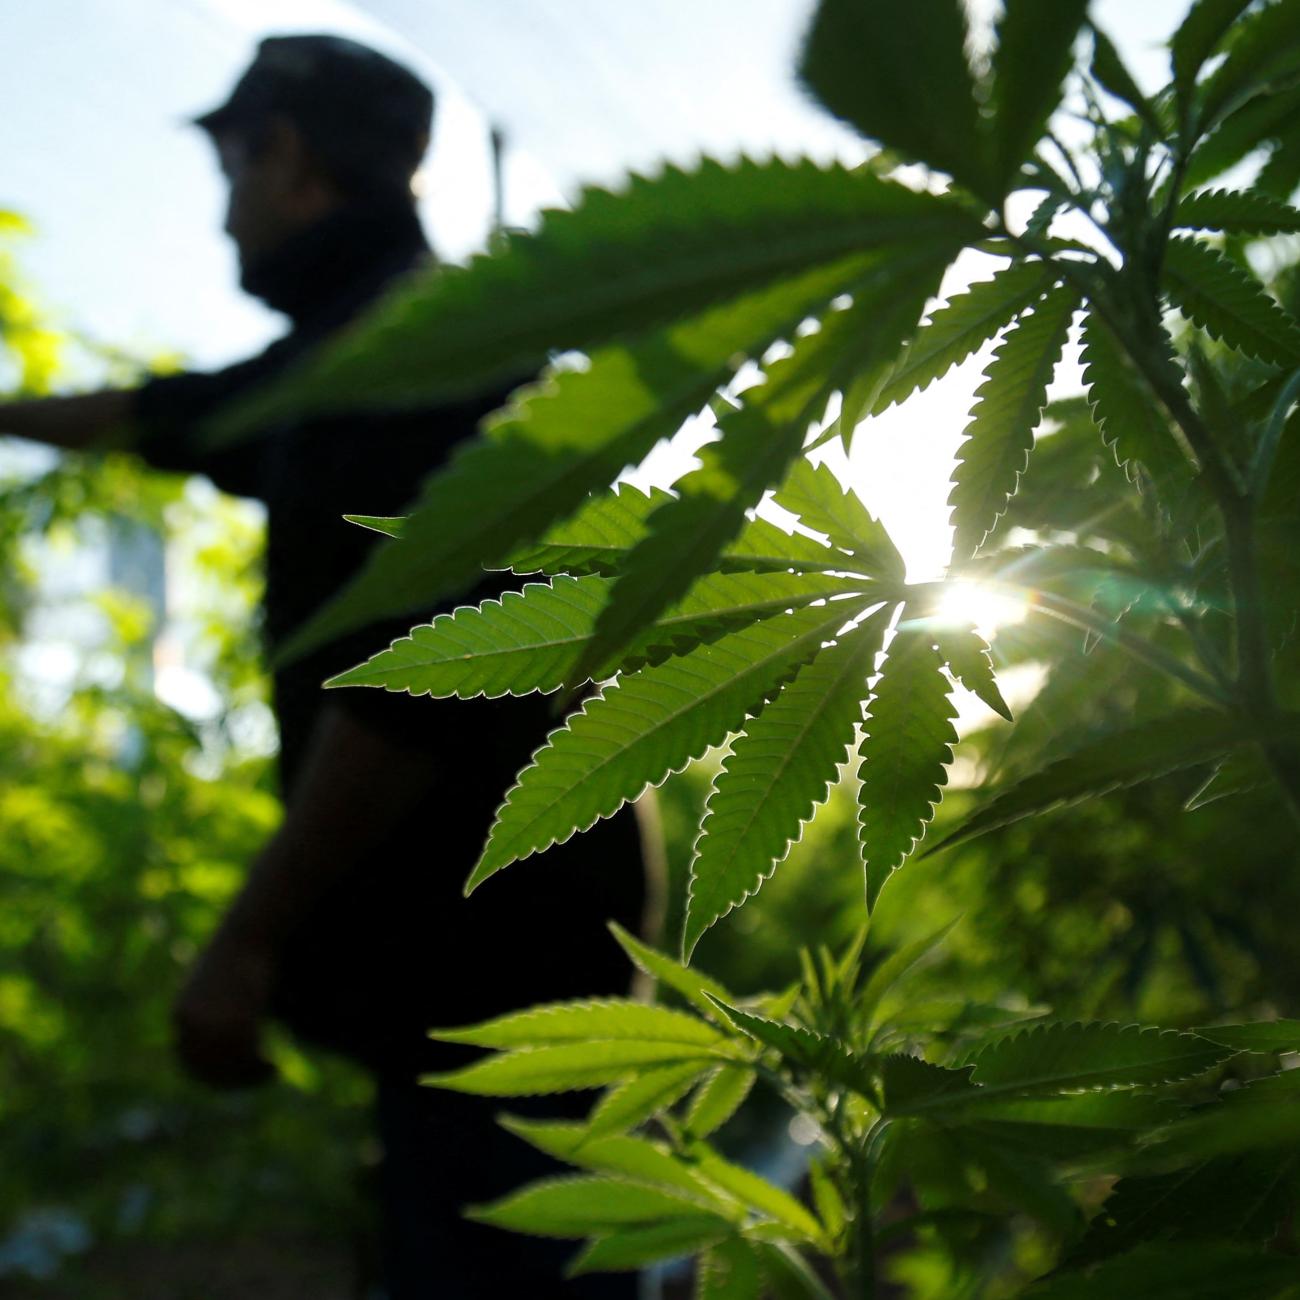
393	948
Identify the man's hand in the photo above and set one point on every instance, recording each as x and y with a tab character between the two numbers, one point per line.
354	787
218	1015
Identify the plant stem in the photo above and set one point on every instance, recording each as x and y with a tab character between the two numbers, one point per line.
1255	690
864	1247
1069	611
1262	464
858	1271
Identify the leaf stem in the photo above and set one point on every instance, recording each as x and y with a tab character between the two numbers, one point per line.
1261	465
1069	611
1221	474
858	1270
1255	689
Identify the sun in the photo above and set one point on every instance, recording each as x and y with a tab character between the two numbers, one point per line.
986	608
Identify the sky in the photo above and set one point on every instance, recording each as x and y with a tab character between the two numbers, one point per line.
95	149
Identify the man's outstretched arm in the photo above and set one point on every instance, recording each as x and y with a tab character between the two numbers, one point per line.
355	785
81	422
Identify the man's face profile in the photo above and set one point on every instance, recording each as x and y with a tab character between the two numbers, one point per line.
275	190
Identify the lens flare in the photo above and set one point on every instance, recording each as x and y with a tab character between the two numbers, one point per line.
987	608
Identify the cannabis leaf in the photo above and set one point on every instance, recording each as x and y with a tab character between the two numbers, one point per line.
645	726
967	655
777	772
822	503
1228	304
598	271
532	640
1128	756
920	97
536	462
1061	1057
908	745
1125	408
1034	52
561	1067
1007	409
961	327
759	439
1240	211
577	1022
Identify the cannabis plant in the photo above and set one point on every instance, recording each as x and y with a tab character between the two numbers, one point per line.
976	1138
1158	516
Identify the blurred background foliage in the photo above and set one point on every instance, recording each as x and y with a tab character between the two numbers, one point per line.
125	826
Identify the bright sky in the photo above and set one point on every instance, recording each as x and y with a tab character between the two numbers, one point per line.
127	203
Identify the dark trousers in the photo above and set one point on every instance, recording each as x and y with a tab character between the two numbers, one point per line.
444	1151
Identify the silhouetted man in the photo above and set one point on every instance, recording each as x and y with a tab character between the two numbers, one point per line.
350	927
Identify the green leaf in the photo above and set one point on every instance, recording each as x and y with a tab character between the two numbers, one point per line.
636	1158
1228	304
652	1092
826	1197
894	968
1034	52
913	1085
525	641
1072	1057
967	655
776	774
565	1066
1241	1198
634	1248
1122	758
1125	408
786	1273
719	1097
1280	175
699	990
1261	1036
757	1193
856	400
579	1206
389	525
532	640
763	545
908	745
1065	1127
1261	1115
1241	771
615	266
1108	68
961	327
1263	47
730	1271
898	318
1182	1271
647	725
1258	121
759	439
1198	36
897	71
570	435
596	538
1250	212
1007	409
601	535
577	1022
804	1048
822	503
1022	1179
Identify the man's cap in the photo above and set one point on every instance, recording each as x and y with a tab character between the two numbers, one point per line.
335	89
